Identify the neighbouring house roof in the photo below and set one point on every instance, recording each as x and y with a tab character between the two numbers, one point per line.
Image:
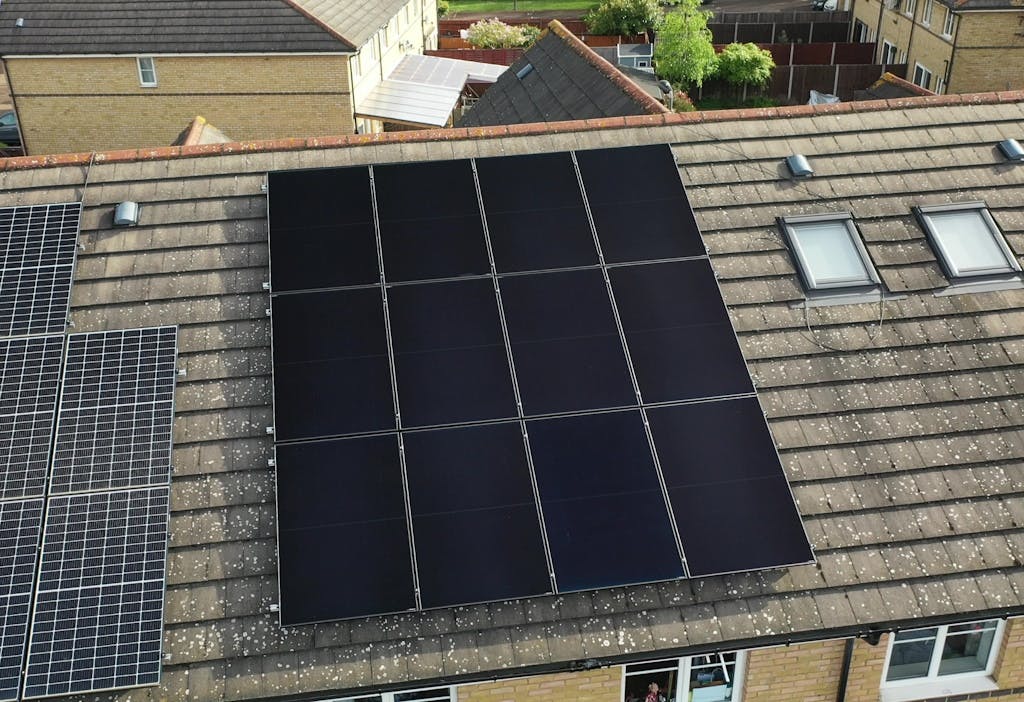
55	27
891	86
559	78
968	5
199	131
899	423
423	90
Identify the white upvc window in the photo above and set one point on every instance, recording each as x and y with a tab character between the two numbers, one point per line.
947	25
940	86
888	52
829	253
926	14
909	6
942	660
967	240
147	71
715	677
922	76
371	48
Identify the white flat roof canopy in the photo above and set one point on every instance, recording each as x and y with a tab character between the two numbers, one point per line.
423	90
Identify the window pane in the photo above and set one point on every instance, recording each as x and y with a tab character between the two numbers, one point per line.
830	254
910	657
437	694
712	677
967	651
969	245
638	684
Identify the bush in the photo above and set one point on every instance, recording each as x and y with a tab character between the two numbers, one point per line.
443	7
683	53
624	17
745	64
495	34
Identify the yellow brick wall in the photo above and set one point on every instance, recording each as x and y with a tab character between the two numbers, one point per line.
806	672
1009	670
989	52
85	104
604	685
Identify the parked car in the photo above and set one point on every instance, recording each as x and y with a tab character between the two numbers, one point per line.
9	135
828	5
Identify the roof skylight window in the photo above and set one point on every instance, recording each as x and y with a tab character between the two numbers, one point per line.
829	252
967	240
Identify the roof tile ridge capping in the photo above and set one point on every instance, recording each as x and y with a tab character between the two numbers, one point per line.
20	163
298	7
893	79
611	72
195	130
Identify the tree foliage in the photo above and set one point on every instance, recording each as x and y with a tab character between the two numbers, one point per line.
683	53
624	17
495	34
745	64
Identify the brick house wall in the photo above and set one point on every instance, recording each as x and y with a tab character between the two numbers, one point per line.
96	103
807	672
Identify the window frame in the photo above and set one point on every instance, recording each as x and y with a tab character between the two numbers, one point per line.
889	50
947	24
924	70
909	7
142	71
926	13
934	685
812	287
682	667
392	696
950	268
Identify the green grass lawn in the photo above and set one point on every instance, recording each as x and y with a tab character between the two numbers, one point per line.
479	6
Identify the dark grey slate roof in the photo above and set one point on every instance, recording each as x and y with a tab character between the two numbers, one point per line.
185	26
969	5
900	424
567	81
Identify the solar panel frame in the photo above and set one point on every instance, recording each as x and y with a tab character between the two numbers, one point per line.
35	294
29	382
102	649
21	525
115	425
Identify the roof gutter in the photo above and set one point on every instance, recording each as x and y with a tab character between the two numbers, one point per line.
868	632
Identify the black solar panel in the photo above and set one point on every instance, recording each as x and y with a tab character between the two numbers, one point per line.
570	412
37	259
98	616
29	378
116	410
21	523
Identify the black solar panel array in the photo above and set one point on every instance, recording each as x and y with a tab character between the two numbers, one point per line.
21	522
542	394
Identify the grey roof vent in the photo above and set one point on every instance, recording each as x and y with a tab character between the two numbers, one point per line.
126	214
1012	150
524	71
799	166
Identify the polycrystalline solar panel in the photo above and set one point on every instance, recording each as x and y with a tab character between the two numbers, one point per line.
638	204
331	370
565	344
21	523
321	229
472	499
604	508
450	359
536	217
430	225
116	412
29	379
343	540
729	495
678	331
37	259
98	616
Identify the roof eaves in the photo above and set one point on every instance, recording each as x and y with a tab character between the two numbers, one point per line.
17	163
607	69
295	5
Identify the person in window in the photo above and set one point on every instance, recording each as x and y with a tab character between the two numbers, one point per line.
653	695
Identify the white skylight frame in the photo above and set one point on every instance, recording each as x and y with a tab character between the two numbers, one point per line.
930	218
146	66
815	281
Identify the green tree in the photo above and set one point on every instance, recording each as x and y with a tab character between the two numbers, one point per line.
683	53
624	17
745	65
495	34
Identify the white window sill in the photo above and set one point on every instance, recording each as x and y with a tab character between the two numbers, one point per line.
922	690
